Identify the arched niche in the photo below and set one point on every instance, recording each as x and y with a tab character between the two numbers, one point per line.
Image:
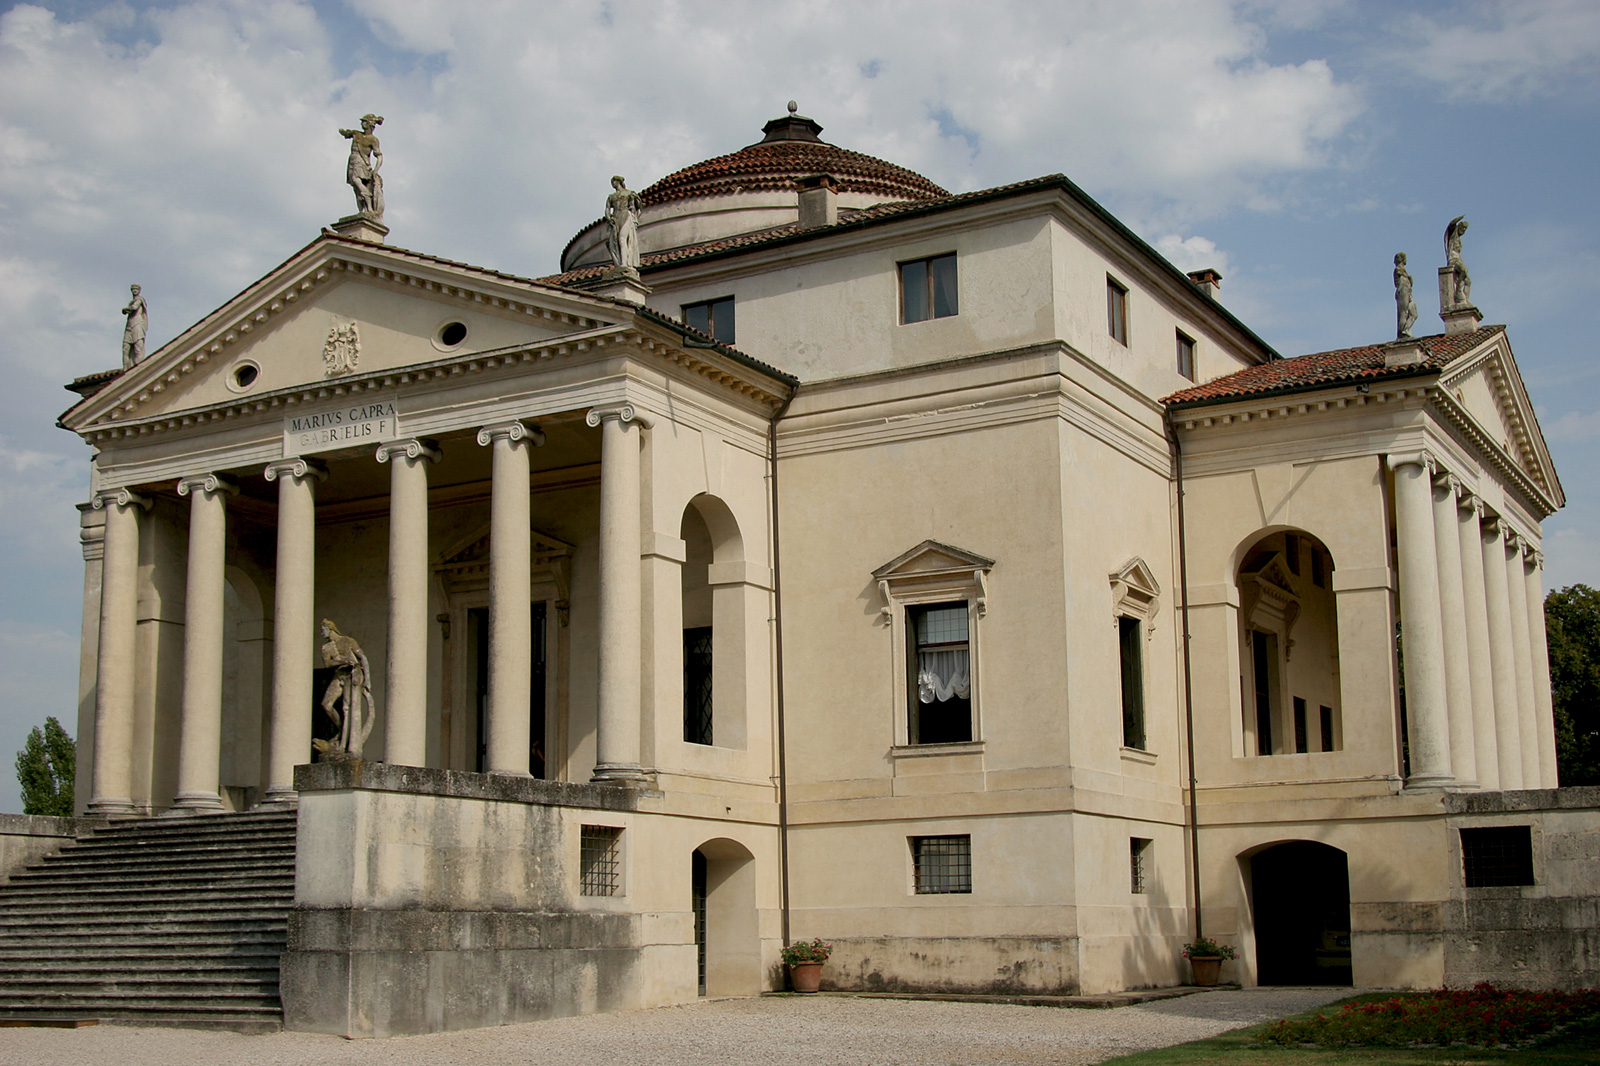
1288	646
718	598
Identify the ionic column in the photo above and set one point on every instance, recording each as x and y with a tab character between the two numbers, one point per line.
294	623
1475	612
112	793
1452	615
200	738
510	596
1420	631
1507	727
617	760
1522	656
1538	644
405	734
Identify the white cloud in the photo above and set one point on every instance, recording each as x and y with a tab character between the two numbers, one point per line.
1193	253
1502	50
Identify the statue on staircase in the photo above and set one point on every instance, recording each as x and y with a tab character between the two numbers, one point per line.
351	685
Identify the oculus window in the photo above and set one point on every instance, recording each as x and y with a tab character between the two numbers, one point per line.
714	318
941	865
928	288
1117	311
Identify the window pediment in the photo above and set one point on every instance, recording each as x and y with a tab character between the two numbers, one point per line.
933	570
1135	593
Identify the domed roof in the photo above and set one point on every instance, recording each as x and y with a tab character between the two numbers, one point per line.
791	150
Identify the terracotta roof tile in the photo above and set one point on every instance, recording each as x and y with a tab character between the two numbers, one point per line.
1323	369
776	165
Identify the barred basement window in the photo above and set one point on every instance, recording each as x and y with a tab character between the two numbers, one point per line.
1138	857
1497	855
943	865
600	860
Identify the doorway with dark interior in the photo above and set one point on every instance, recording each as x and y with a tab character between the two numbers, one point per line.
1300	896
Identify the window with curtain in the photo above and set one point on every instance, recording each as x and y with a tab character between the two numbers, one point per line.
928	288
941	674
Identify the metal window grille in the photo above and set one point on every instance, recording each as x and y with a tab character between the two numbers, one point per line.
697	685
697	903
1138	850
600	860
943	864
1497	855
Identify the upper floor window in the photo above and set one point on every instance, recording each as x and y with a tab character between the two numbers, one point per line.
1135	600
928	288
941	674
714	318
1117	311
1186	356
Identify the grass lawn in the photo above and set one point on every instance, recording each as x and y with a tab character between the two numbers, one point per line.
1243	1047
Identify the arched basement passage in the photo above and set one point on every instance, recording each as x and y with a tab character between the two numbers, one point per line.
1300	905
727	938
1289	646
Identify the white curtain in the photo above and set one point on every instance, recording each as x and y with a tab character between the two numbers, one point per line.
942	675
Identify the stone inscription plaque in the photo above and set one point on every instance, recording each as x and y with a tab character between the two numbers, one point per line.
347	425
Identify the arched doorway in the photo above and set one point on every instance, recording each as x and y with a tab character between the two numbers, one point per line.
727	940
1300	899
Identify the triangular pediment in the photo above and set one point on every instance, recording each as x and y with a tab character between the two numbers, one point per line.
339	308
1134	589
1485	393
930	557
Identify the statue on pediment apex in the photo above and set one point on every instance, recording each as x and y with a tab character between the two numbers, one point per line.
622	225
1461	283
1405	304
366	157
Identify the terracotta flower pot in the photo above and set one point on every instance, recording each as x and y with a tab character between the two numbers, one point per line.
806	976
1206	969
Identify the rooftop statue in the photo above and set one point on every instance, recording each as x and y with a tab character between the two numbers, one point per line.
1405	307
351	685
622	221
365	160
133	332
1461	285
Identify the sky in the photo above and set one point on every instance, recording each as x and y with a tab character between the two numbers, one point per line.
1295	146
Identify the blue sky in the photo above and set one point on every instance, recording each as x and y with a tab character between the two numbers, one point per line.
1296	146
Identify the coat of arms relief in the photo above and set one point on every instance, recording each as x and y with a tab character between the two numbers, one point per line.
342	350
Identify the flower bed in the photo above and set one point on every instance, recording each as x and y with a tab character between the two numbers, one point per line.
1483	1016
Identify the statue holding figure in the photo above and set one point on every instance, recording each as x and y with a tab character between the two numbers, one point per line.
1461	282
351	685
622	221
1405	307
133	331
365	160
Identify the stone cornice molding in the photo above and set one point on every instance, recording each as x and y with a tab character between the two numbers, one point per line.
298	468
413	448
513	432
209	483
121	497
621	412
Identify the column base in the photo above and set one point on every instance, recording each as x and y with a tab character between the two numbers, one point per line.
1430	783
197	803
102	807
280	796
627	775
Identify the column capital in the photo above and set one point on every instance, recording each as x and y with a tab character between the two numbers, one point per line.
123	497
1422	458
1443	479
1468	500
298	467
212	483
621	412
512	431
411	448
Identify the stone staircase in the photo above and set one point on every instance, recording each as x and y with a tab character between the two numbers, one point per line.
169	921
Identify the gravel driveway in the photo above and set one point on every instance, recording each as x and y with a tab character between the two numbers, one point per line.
733	1032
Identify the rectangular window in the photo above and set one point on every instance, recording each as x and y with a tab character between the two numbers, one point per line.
600	860
1138	860
1264	652
1131	638
697	685
1327	728
940	674
928	288
714	318
1186	356
1497	855
1291	551
1117	311
1319	569
1302	736
943	865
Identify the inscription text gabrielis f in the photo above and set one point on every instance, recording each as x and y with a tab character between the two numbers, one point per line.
323	429
342	350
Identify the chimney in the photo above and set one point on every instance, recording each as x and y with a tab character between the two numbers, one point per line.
819	201
1208	279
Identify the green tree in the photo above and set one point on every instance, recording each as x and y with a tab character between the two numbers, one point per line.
45	767
1572	623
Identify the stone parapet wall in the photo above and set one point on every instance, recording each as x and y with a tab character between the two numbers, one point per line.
27	838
